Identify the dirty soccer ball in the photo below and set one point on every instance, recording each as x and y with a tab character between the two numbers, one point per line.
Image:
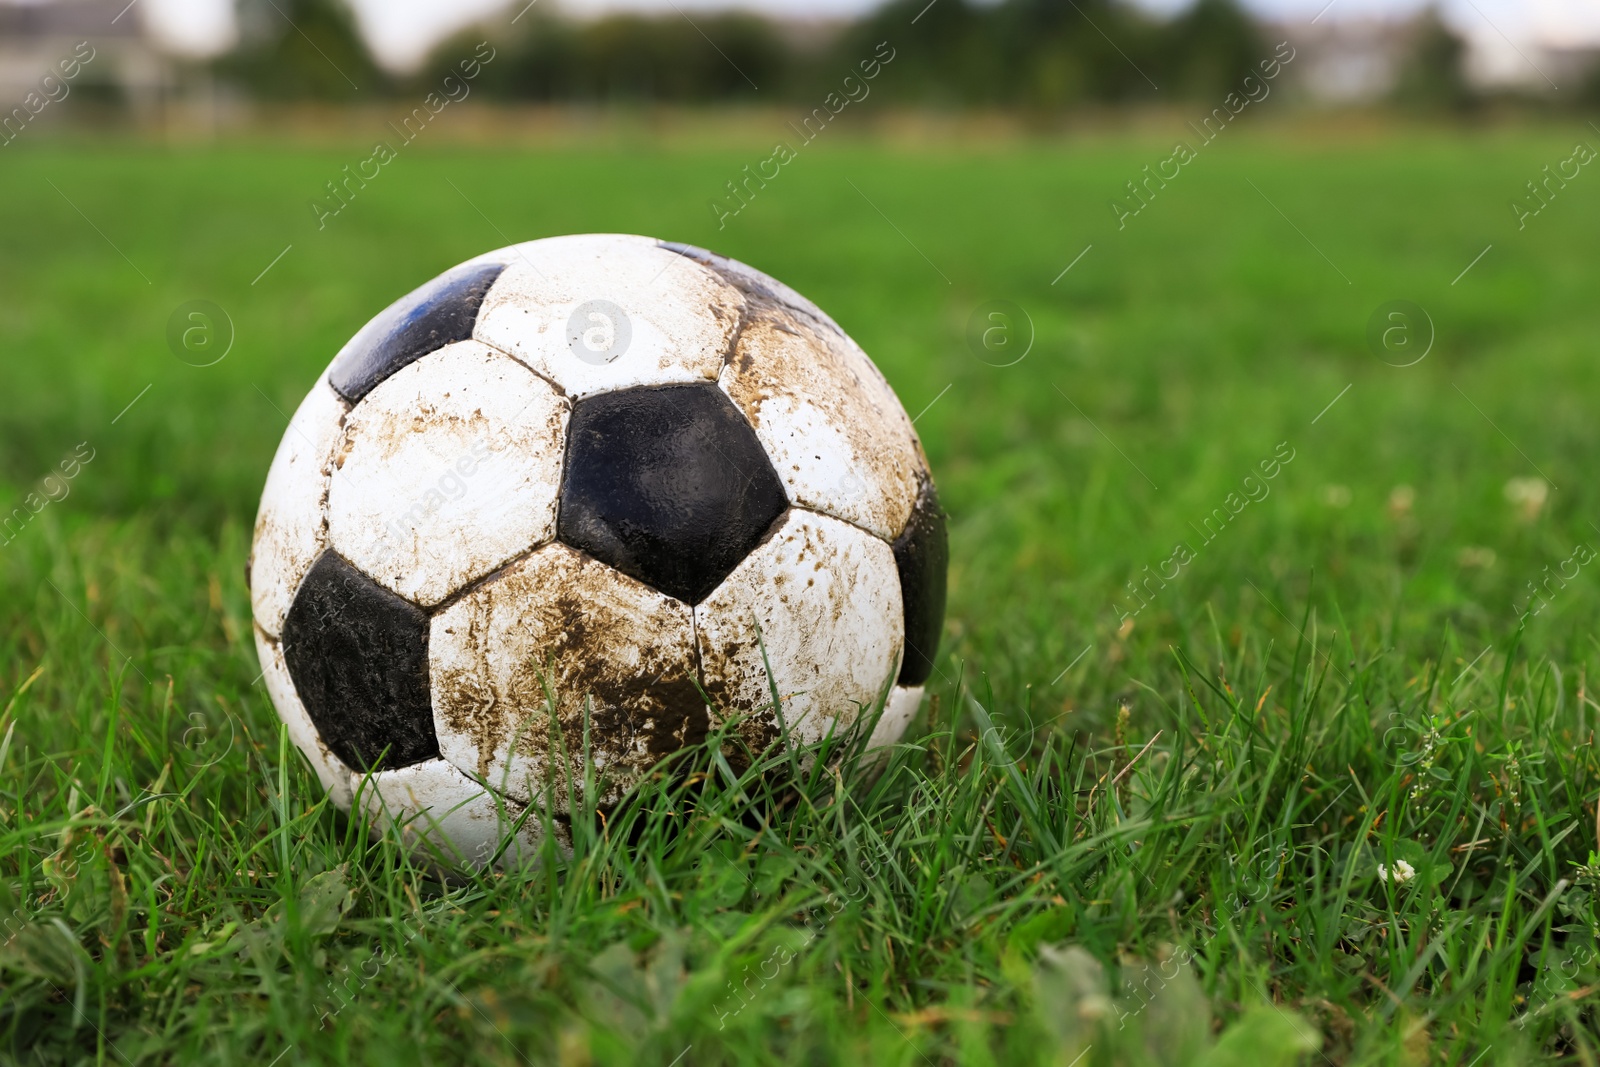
587	478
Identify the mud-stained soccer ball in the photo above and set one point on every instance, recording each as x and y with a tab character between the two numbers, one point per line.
590	478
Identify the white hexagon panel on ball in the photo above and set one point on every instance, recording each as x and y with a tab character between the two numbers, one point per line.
833	429
610	311
446	471
821	598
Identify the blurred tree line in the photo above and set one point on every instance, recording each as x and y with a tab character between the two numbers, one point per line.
1029	54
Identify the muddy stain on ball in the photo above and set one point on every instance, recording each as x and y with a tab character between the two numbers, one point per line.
608	646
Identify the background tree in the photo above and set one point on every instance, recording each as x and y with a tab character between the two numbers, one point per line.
1041	55
299	49
1433	76
1210	48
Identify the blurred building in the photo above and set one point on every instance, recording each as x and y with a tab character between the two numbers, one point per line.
1351	61
1570	64
127	65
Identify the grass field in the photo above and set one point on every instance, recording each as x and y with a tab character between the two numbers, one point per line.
1129	828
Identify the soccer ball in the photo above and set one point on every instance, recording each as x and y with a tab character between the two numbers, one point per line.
593	482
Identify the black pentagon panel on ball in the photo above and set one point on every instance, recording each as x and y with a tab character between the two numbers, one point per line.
667	484
439	313
358	655
922	553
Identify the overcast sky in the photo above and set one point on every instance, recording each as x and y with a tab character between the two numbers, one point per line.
1504	34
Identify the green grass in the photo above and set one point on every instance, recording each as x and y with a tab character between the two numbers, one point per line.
1169	838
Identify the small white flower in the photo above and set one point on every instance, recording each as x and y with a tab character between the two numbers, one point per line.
1527	495
1403	872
